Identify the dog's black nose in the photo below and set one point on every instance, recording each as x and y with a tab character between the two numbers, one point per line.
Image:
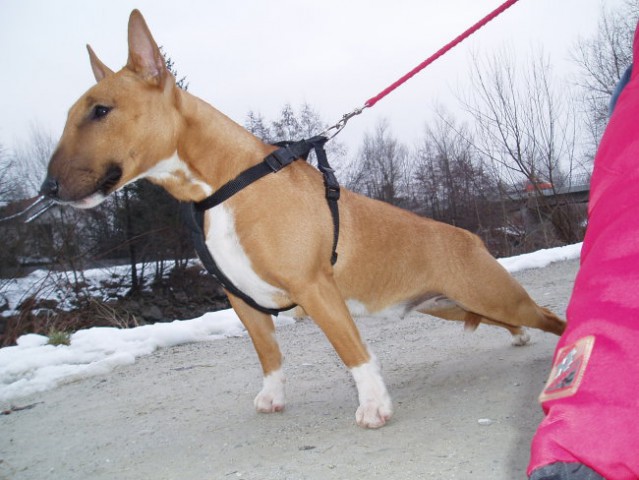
50	188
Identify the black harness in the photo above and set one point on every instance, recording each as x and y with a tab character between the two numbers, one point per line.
273	163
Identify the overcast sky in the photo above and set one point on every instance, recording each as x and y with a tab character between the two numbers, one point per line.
243	55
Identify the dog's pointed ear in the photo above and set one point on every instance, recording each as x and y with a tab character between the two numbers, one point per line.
145	57
100	70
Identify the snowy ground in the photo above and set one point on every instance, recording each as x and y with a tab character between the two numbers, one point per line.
105	282
151	403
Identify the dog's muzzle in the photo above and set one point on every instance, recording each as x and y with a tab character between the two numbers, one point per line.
50	188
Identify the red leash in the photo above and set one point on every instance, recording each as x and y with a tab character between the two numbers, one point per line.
373	100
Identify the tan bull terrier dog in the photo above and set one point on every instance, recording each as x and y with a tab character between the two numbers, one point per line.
273	239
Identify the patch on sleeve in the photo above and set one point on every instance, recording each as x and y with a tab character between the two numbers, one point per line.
568	370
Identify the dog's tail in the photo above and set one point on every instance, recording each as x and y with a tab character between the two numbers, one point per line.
552	323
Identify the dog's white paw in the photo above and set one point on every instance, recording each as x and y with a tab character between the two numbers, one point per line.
521	339
374	415
375	406
272	397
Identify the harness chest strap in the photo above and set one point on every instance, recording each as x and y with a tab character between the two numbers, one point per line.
274	162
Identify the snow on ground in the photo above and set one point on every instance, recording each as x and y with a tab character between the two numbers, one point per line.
34	366
45	284
541	258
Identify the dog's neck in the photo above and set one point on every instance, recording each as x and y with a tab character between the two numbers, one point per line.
213	147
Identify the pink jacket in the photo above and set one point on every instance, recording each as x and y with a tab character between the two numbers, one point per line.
591	400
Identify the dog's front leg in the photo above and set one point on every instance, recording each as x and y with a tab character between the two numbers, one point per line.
323	302
260	327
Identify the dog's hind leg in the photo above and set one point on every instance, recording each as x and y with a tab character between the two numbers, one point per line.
472	320
498	297
324	304
261	329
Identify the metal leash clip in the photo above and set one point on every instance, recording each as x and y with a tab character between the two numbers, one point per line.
339	126
40	205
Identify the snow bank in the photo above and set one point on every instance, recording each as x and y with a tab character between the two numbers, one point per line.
541	258
33	366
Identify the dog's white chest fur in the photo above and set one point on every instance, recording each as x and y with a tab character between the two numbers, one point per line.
224	245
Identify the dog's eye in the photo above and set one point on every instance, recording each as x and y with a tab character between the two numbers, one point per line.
100	111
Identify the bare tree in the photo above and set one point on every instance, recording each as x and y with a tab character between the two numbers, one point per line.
290	126
29	160
602	59
383	168
7	183
256	124
451	183
526	127
25	244
293	125
6	193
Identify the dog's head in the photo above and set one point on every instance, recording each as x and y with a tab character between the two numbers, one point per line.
119	129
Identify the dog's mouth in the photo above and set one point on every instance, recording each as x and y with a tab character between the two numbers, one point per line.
107	184
110	180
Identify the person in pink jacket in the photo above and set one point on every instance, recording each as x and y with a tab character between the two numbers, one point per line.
591	400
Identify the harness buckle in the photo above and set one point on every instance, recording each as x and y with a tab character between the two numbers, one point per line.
279	159
332	193
331	183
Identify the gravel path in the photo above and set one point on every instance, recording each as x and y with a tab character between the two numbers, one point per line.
187	412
